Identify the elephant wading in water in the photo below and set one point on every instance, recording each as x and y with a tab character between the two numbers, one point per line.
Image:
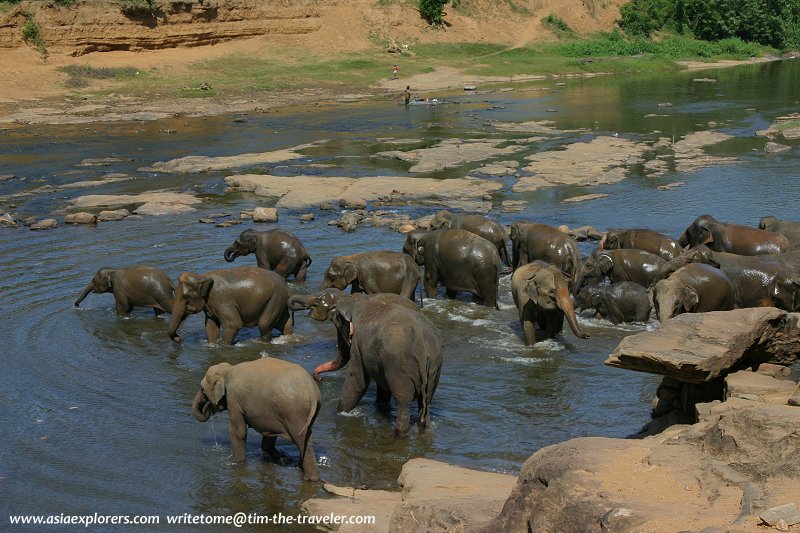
530	242
373	272
641	239
479	225
383	338
787	228
136	286
619	302
633	265
732	238
695	288
232	299
459	260
541	295
276	250
274	397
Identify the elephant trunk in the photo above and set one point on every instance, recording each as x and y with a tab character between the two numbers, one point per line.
603	240
230	254
343	335
178	314
565	304
327	283
201	407
84	294
298	302
683	240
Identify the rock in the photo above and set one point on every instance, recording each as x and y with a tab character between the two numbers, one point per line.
166	197
117	214
670	186
791	134
8	219
162	208
787	513
80	218
326	206
758	387
776	148
197	163
308	217
407	228
705	80
775	371
103	161
513	206
6	177
48	223
584	198
207	221
246	214
470	88
228	223
265	214
795	398
451	153
424	222
699	347
352	202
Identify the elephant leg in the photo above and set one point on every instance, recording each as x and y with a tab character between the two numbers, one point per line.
430	284
283	324
308	459
237	430
268	447
487	287
300	277
157	311
450	293
403	420
212	329
383	396
554	323
230	329
528	331
284	267
123	308
354	386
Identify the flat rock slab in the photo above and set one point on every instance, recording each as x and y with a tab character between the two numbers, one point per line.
199	163
162	202
698	347
451	153
303	191
759	387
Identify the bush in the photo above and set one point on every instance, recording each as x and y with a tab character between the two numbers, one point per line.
556	25
432	10
31	34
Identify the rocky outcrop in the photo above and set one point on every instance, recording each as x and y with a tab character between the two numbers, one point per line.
194	164
451	153
149	203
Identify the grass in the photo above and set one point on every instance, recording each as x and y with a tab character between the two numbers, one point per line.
80	75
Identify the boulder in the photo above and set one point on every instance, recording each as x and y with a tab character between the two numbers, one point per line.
265	214
116	214
80	218
162	208
48	223
308	217
7	219
352	202
758	387
776	148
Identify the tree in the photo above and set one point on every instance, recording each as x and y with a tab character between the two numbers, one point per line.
432	10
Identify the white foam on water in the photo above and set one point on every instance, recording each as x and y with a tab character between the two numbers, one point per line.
323	460
286	339
628	327
355	413
527	361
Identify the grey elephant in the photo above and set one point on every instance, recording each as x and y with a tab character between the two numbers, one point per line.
641	239
618	302
274	397
232	299
633	265
459	260
542	297
136	286
373	272
732	238
530	242
787	228
694	288
277	250
480	225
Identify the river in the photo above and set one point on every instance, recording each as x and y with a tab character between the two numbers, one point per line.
96	415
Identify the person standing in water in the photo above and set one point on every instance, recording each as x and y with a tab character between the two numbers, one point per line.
407	94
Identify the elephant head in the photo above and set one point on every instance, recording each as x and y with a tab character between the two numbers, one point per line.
322	306
587	298
547	289
190	297
698	254
785	292
767	223
244	244
442	220
342	272
415	246
594	269
101	283
699	232
610	240
211	396
671	298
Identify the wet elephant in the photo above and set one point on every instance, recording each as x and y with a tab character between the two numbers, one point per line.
732	238
373	272
274	397
633	265
479	225
542	297
136	286
641	239
787	228
758	281
694	288
459	260
277	250
618	302
530	242
232	299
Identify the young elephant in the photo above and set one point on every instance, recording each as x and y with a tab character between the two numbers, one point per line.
542	297
232	299
732	238
641	239
787	228
619	302
633	265
274	397
136	286
373	272
275	249
530	242
460	260
479	225
695	288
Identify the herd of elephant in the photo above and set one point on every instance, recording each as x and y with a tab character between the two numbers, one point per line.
383	337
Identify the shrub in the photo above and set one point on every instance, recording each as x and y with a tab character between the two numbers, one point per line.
31	34
556	25
432	11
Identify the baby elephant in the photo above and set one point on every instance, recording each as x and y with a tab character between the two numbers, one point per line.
619	302
136	286
274	397
694	288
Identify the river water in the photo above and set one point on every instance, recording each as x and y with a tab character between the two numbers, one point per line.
96	413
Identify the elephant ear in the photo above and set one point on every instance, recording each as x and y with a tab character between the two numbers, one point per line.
690	299
204	286
704	235
213	383
350	272
605	263
104	279
248	240
514	232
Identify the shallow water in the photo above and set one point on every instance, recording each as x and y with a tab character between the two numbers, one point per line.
97	408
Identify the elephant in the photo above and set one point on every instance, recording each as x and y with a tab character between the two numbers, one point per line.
275	249
694	288
641	239
542	297
136	286
787	228
460	260
619	302
274	397
626	264
479	225
758	281
373	272
732	238
546	243
232	299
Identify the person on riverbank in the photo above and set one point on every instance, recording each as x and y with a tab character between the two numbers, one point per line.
395	72
407	95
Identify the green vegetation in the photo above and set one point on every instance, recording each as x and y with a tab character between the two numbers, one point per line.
79	75
557	25
774	23
432	11
33	35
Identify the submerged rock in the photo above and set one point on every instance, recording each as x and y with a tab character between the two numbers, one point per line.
80	218
48	223
116	214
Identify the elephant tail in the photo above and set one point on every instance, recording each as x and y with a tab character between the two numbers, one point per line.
425	408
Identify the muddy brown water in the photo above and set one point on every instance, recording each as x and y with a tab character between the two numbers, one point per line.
96	415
